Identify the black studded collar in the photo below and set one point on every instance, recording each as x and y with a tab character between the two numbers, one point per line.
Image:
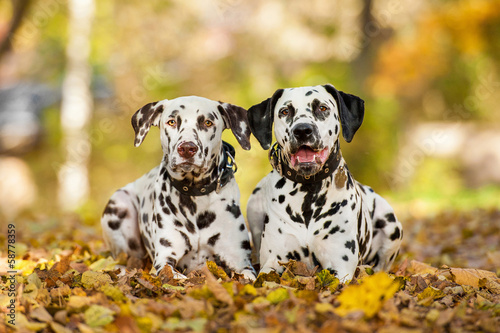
224	172
331	164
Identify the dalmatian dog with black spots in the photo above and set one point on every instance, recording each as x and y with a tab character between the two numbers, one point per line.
186	210
309	208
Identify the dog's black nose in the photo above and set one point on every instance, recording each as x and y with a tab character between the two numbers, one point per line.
187	149
302	132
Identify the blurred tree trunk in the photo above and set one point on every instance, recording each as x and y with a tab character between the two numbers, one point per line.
20	8
374	35
76	108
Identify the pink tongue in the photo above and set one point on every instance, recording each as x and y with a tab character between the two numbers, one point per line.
305	155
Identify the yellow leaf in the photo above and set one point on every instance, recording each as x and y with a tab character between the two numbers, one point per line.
94	279
248	289
30	292
77	302
430	294
326	279
368	297
25	266
113	292
104	264
323	307
145	324
171	287
97	315
22	324
260	299
277	296
217	271
271	276
291	315
196	325
309	296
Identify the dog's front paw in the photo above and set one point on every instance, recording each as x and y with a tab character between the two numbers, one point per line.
169	272
179	276
249	274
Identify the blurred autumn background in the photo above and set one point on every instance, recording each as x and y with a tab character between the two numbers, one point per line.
72	73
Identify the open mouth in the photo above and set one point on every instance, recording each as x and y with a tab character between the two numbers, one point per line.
307	155
186	167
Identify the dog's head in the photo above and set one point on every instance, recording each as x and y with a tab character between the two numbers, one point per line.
307	123
191	129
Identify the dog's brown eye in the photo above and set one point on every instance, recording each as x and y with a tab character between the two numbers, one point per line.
171	122
323	108
284	112
208	123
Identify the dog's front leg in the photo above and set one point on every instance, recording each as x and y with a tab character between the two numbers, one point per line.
168	248
337	254
257	217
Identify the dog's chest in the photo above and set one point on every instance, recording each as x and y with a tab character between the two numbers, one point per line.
315	207
170	217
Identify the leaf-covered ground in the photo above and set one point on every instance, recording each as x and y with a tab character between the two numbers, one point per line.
446	280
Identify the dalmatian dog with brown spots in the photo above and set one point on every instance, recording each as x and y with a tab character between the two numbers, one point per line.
309	208
186	210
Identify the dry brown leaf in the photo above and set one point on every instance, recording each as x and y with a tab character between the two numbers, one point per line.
63	265
220	293
58	328
166	273
63	290
61	317
445	317
146	284
190	308
470	276
298	268
402	268
417	267
127	324
80	267
50	277
39	313
490	284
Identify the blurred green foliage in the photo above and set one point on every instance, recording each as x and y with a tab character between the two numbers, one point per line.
425	61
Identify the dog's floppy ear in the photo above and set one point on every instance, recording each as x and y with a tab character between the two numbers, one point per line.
261	117
235	118
351	111
147	116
